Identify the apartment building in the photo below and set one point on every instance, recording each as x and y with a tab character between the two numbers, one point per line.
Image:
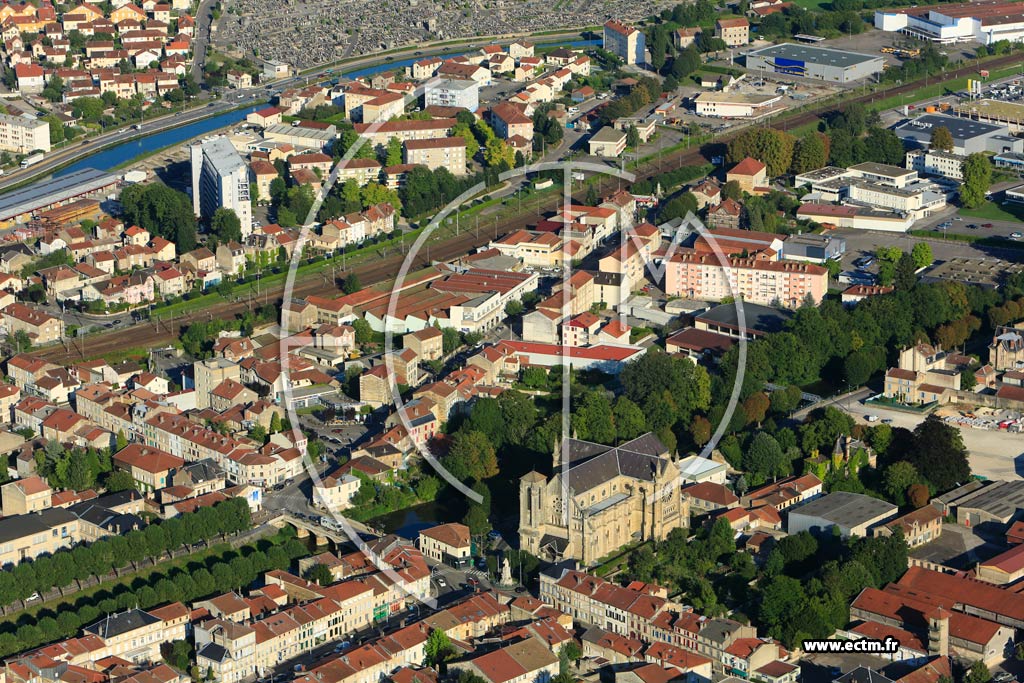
25	537
448	92
509	121
151	468
24	134
626	42
378	135
757	280
220	178
22	496
447	153
41	327
735	32
211	373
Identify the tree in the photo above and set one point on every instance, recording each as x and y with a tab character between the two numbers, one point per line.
275	423
922	254
629	419
898	478
119	480
56	129
513	308
678	207
883	146
319	574
471	456
906	273
810	153
226	226
121	441
764	457
938	452
732	190
918	495
773	148
162	211
438	647
498	154
592	419
977	179
942	139
978	673
632	137
351	284
393	152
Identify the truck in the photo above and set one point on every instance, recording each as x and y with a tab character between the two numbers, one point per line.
31	160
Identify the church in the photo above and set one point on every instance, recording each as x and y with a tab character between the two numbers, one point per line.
601	498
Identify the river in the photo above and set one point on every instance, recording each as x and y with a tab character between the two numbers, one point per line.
125	152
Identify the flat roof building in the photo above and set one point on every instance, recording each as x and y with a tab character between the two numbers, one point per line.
19	205
826	64
220	178
969	136
984	21
854	514
450	92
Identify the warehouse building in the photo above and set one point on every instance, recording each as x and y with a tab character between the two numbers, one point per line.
18	206
734	105
984	21
807	61
969	136
854	514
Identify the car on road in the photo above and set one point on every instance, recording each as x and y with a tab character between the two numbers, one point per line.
958	218
441	582
1016	235
871	418
473	582
986	225
972	226
887	421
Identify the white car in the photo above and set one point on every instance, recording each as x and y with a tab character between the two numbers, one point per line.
1016	235
441	582
871	418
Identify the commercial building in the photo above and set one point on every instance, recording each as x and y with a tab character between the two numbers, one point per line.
826	64
969	136
449	153
620	495
18	206
736	105
985	21
448	92
756	280
626	42
937	163
814	248
24	134
854	514
220	178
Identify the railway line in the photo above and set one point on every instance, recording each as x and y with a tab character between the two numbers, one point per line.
161	333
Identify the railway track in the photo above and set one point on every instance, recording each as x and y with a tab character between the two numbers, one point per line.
156	334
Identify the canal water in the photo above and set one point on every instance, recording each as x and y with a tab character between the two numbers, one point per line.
125	152
409	522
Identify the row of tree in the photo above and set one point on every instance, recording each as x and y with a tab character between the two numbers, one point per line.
116	552
218	573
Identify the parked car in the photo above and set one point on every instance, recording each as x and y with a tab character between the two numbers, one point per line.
1016	235
864	261
871	418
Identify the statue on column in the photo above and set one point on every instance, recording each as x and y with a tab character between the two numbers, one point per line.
506	573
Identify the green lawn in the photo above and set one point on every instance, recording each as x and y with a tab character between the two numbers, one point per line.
994	212
813	4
